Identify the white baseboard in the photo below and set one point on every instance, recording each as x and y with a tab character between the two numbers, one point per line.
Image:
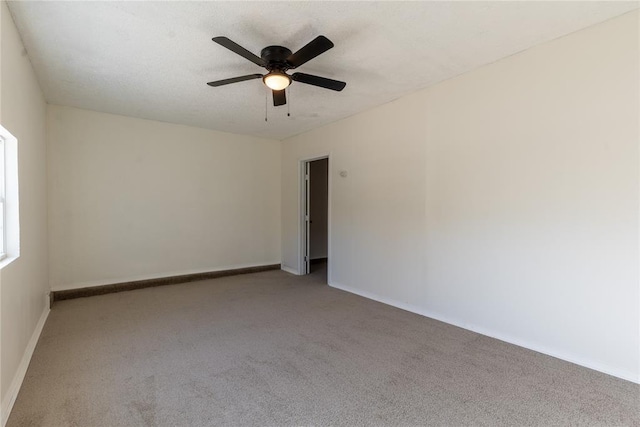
14	387
609	370
289	270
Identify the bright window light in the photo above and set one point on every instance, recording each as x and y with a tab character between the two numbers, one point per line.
9	210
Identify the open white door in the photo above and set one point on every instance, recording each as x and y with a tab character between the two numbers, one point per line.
314	215
307	222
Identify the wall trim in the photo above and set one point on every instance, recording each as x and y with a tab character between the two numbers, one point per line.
290	270
158	281
14	387
102	282
590	364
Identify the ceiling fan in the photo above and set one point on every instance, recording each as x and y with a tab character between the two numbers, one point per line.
278	60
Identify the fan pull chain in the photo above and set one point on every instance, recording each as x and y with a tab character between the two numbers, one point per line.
289	103
265	106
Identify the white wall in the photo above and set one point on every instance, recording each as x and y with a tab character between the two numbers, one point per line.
132	199
504	200
24	282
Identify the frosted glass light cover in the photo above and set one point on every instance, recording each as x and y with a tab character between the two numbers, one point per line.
277	81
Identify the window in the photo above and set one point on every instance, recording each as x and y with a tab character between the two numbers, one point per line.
9	212
3	246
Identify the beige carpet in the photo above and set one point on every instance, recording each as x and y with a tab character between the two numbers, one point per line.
274	349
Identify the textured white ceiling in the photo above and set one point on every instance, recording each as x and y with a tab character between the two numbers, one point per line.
153	59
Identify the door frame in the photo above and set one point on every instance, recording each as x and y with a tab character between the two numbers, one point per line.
302	200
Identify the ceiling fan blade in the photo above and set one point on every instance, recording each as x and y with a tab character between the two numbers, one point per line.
312	49
318	81
234	80
279	98
235	47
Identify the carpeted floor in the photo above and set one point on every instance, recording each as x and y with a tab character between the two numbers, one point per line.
275	349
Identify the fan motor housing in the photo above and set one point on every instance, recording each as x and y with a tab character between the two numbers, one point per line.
275	57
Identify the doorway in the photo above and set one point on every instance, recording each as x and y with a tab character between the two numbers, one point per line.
315	217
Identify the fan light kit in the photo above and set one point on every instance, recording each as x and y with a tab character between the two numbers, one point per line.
278	60
276	81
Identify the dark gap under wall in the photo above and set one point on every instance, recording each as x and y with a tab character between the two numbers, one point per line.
149	283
